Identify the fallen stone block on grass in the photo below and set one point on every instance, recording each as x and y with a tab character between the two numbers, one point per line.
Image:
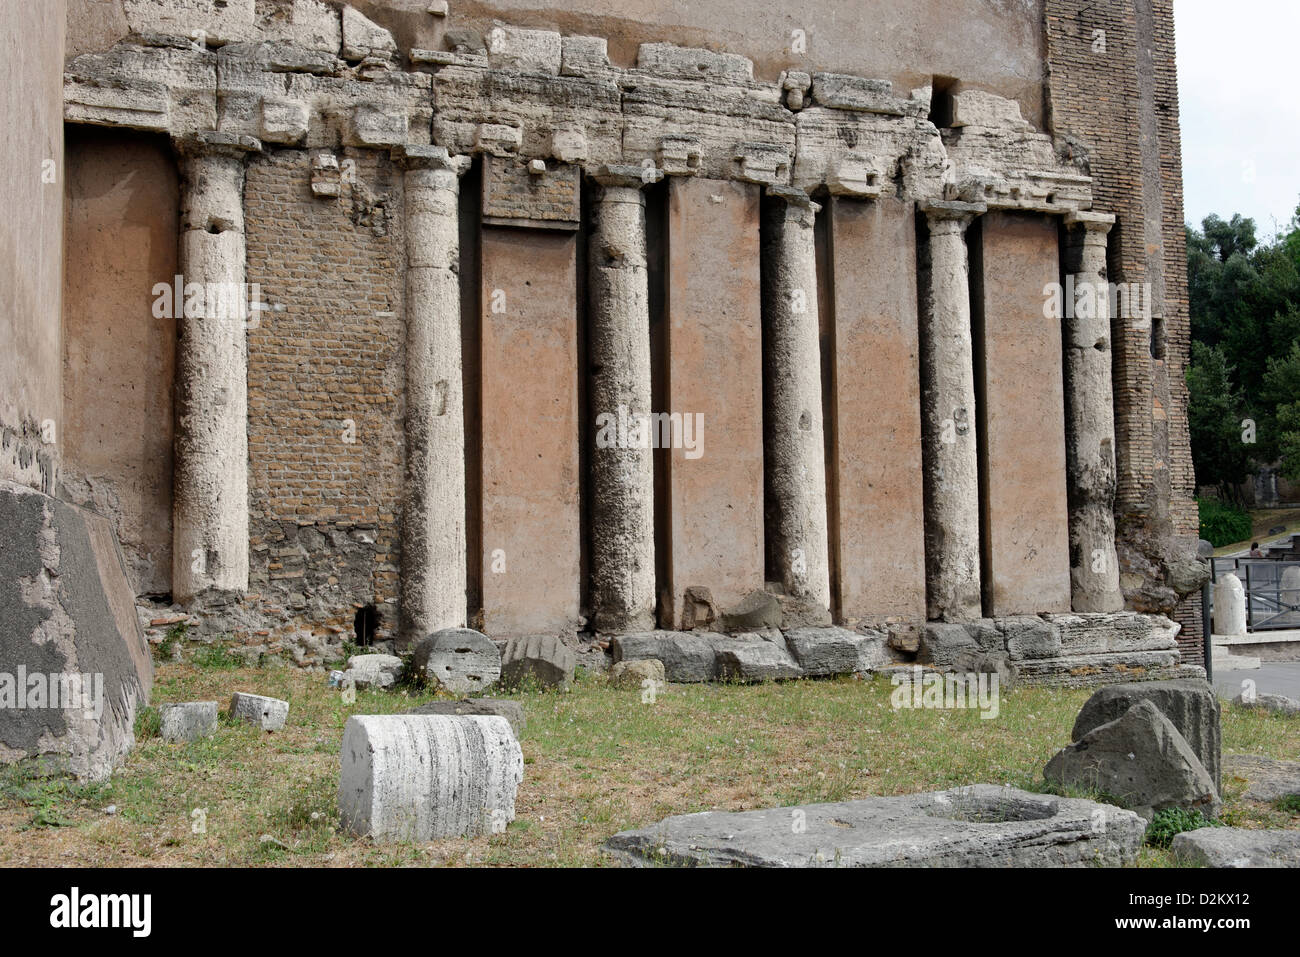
459	659
542	658
635	674
1141	762
1189	703
427	777
187	721
982	825
686	656
750	658
269	714
1237	847
373	671
512	711
1279	704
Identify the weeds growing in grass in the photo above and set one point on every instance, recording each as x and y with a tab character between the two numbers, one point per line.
1175	820
1289	804
215	656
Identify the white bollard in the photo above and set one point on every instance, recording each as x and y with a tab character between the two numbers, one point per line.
1229	606
407	777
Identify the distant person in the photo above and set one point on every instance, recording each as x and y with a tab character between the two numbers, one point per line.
1254	550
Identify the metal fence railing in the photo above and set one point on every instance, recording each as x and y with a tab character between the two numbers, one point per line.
1271	603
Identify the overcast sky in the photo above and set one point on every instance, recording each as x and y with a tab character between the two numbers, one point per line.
1240	113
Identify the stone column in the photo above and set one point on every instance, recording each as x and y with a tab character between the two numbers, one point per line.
622	533
795	446
952	516
433	513
1090	418
210	471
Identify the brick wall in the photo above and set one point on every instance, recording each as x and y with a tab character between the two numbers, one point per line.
1112	79
324	496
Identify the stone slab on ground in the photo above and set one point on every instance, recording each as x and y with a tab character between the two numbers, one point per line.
826	651
544	659
687	656
982	825
1280	704
1140	761
373	671
750	658
1237	847
69	612
459	659
1190	703
269	714
512	711
635	674
406	777
1267	779
188	720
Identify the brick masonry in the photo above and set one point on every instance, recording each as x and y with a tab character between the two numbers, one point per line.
325	394
1112	85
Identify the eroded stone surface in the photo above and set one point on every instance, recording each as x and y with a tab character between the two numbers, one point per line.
269	714
1266	779
1189	703
425	777
1237	847
459	659
977	826
544	659
512	711
187	721
1139	760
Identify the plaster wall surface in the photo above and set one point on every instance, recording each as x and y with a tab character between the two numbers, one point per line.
31	241
877	410
532	544
119	357
715	371
1026	560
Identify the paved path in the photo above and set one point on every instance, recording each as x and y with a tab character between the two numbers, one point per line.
1271	677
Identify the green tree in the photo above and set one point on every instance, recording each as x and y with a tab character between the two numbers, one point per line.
1214	419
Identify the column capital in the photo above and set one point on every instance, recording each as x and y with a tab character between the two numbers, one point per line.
794	197
424	156
626	175
216	143
951	211
1090	220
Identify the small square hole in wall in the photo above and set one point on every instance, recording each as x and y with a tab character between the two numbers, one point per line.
942	90
364	624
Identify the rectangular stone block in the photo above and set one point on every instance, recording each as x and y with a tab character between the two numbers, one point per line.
413	777
531	522
877	474
715	383
1026	559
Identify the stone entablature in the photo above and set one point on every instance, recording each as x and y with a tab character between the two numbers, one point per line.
537	95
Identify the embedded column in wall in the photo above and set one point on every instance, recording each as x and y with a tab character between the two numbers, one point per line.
210	472
794	440
433	514
622	536
1090	418
952	517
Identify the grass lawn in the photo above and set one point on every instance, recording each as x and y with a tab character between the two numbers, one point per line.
597	760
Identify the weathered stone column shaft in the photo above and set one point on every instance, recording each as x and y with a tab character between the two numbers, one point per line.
622	537
952	505
1090	419
210	471
433	575
795	448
